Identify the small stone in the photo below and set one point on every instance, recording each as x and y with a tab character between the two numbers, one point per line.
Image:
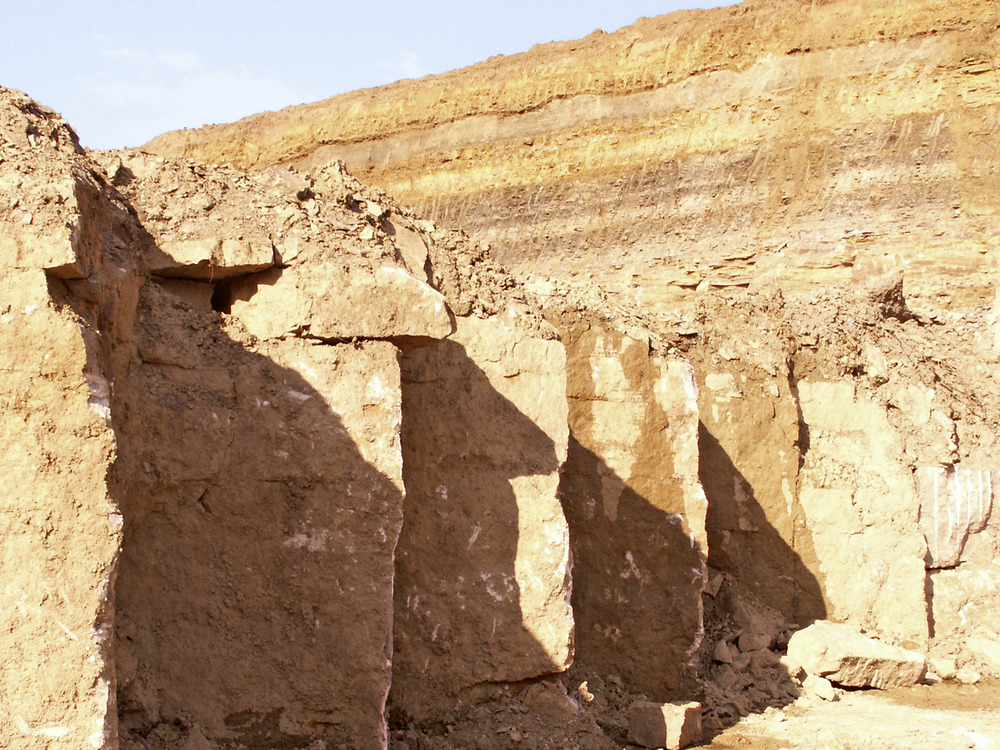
741	662
943	667
968	676
664	725
515	736
27	218
548	701
754	642
723	653
820	687
374	210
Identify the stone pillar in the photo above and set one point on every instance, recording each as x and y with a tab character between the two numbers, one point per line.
636	511
482	568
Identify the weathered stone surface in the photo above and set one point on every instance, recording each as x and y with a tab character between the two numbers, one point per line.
482	567
331	301
60	530
861	506
664	725
210	258
820	687
749	458
636	510
965	600
194	293
954	503
262	495
842	655
49	193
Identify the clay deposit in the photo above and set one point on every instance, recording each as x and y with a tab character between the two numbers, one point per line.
293	466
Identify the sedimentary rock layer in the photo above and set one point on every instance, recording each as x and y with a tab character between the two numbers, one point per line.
483	576
780	139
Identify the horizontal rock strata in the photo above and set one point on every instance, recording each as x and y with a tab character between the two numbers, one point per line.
777	139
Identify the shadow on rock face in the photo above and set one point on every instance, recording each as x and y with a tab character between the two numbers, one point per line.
260	485
759	593
482	574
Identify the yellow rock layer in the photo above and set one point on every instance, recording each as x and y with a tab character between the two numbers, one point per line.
775	140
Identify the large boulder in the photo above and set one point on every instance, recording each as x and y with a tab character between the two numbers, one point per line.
842	655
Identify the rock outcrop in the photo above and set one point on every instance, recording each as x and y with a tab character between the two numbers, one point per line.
214	384
289	464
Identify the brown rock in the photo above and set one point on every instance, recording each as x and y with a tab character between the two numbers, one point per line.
482	567
331	301
636	510
262	494
842	655
664	725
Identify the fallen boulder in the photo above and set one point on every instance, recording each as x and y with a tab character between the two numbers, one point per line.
664	725
844	656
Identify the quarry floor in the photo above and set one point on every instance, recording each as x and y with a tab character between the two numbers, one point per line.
944	716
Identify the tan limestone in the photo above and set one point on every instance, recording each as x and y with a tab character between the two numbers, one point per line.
482	567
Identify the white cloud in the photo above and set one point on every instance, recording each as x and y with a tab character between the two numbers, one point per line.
144	93
404	64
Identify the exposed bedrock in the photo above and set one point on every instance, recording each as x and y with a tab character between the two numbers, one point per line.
482	569
771	139
636	511
262	493
66	298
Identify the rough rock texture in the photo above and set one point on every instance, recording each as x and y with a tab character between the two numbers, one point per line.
955	503
844	656
664	725
328	301
482	583
636	510
860	505
276	468
775	138
59	525
748	378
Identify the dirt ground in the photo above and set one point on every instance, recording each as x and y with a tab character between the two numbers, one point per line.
946	715
943	716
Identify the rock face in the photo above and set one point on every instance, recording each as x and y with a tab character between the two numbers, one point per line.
207	477
636	510
724	173
289	464
860	505
60	527
843	656
783	139
483	577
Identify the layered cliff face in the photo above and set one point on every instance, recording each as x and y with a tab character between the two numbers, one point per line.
285	460
292	465
802	142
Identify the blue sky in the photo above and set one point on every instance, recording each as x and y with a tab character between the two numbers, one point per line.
124	72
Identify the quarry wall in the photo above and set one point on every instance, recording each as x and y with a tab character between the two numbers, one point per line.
289	463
